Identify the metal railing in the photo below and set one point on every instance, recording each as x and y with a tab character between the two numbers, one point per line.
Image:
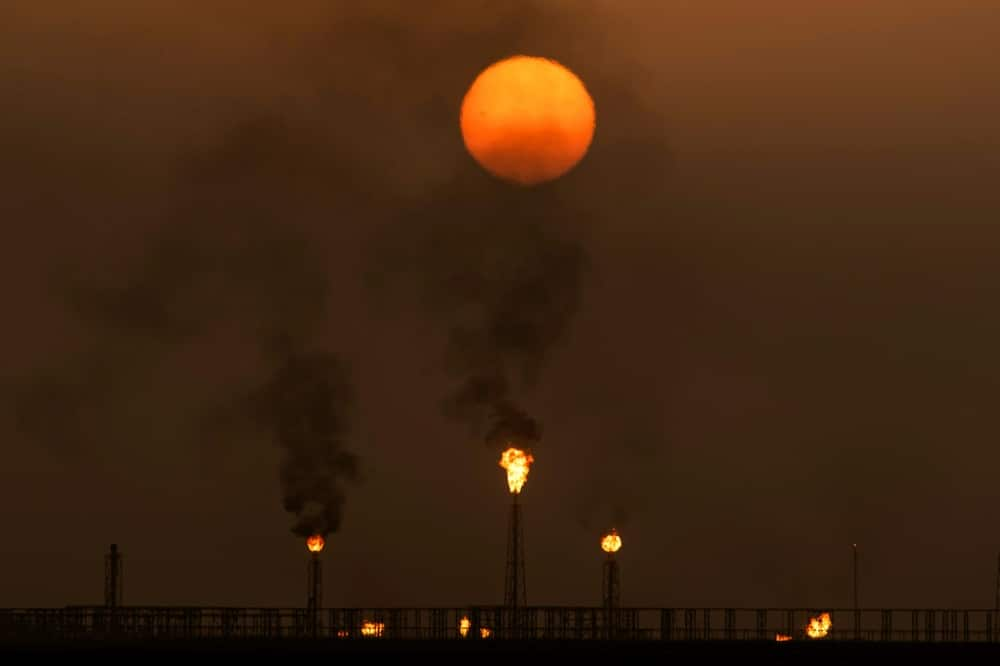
498	623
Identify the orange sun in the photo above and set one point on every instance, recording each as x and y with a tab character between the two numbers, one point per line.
527	120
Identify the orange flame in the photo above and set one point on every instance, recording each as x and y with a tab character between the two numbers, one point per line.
464	625
372	629
781	638
611	542
343	633
315	543
819	627
517	463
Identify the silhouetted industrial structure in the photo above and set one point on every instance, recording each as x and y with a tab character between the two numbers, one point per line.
996	600
534	623
515	593
113	577
512	621
314	600
611	593
854	574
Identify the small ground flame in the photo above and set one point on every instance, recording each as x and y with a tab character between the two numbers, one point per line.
781	638
464	625
372	629
343	633
611	542
315	543
819	627
517	463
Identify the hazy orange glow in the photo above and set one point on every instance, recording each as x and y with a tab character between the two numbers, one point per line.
484	632
315	543
527	120
781	638
343	633
517	463
372	628
819	627
611	542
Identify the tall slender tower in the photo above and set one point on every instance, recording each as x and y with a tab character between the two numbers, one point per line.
113	577
996	602
515	591
854	571
314	585
515	595
611	584
854	597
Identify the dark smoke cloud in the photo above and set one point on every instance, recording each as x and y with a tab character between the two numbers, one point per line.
308	405
797	293
226	218
232	200
223	257
230	272
506	278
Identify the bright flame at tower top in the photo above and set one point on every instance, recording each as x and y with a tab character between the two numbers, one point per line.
517	463
611	542
315	543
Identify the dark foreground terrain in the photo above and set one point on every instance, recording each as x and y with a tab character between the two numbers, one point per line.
584	651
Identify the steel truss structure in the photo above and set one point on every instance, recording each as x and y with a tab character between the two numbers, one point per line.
497	623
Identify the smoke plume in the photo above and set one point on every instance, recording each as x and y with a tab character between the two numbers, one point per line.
228	269
507	283
308	406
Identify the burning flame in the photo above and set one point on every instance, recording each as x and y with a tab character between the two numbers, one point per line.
343	633
464	625
781	638
611	542
819	627
315	543
372	629
517	463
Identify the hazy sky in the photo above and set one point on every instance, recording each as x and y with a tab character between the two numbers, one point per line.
782	340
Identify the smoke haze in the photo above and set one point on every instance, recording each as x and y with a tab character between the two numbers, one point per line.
757	318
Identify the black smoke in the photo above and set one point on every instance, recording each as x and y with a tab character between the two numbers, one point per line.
308	405
221	295
506	279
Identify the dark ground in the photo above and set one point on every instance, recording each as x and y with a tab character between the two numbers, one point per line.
702	651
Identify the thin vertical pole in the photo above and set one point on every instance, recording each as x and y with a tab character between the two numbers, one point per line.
996	601
855	569
515	571
857	612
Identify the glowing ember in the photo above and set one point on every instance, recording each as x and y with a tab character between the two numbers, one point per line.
611	542
372	629
781	638
819	627
484	632
315	543
342	633
517	463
